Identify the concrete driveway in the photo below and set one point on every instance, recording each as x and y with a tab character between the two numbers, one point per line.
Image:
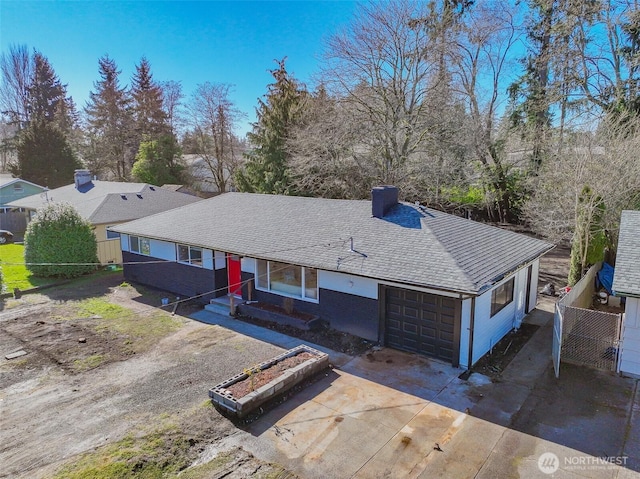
396	415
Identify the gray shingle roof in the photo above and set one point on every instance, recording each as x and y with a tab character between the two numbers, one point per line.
626	278
103	202
410	245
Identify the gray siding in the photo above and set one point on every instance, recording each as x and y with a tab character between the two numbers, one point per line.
350	314
180	279
221	282
344	312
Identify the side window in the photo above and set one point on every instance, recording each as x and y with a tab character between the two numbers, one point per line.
140	245
134	244
190	255
112	234
501	296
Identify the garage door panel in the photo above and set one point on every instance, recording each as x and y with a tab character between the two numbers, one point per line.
428	349
446	336
394	309
409	328
409	312
420	322
429	316
428	332
411	296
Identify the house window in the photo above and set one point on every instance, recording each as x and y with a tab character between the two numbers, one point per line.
139	245
112	234
501	296
18	188
287	279
190	255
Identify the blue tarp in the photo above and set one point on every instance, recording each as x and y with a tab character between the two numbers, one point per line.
604	277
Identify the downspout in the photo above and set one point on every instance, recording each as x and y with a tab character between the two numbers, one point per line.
471	326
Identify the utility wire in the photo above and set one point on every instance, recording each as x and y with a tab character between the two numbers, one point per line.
213	291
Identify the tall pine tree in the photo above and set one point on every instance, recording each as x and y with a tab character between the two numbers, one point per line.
44	154
146	94
110	123
267	168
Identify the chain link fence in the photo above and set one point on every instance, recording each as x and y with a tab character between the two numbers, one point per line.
585	336
590	338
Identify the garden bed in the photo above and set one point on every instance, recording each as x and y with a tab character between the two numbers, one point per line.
276	314
244	392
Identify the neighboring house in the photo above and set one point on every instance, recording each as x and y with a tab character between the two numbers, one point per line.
108	203
200	171
12	189
626	283
403	275
186	190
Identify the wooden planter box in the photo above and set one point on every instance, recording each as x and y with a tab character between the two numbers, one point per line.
240	407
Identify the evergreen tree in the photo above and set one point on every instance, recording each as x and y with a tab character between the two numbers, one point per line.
157	162
45	156
543	95
150	118
46	95
267	168
110	120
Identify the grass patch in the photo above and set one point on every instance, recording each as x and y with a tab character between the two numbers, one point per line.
14	272
140	330
162	453
208	469
89	362
103	308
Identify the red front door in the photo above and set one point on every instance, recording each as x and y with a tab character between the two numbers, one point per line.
234	275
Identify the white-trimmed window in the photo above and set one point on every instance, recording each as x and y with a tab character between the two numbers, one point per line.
111	235
189	255
139	245
501	296
287	280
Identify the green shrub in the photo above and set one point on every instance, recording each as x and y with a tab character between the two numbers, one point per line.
470	195
59	242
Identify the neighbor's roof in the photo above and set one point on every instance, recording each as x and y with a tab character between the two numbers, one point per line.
411	245
103	202
6	180
172	187
626	278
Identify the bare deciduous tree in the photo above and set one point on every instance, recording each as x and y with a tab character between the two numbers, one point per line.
213	119
322	159
579	197
479	61
171	103
16	66
384	71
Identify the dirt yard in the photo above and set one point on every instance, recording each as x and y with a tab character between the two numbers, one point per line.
112	386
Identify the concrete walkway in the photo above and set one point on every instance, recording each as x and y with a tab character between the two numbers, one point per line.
392	414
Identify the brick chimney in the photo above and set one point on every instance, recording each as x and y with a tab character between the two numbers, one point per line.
81	177
383	198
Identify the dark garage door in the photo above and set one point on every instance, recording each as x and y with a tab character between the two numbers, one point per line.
422	323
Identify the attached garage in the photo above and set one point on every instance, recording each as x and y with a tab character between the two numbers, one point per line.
422	323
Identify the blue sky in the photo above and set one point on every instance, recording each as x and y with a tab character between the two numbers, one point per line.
188	41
